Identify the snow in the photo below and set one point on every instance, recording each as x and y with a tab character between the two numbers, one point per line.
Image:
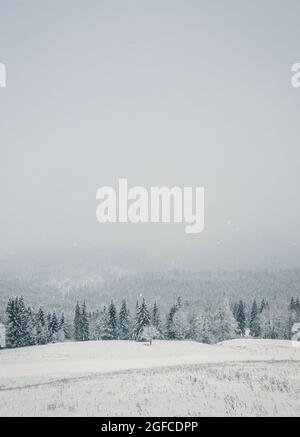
78	367
73	358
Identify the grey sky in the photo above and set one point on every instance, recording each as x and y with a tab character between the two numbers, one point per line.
164	93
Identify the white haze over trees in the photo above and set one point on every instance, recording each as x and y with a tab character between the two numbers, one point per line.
165	93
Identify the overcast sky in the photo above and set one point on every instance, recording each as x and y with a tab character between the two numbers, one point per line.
162	92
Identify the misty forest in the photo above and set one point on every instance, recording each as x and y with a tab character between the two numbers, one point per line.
214	322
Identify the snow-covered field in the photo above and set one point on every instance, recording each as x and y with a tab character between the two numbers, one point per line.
239	377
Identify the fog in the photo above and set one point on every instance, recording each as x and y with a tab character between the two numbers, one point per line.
165	92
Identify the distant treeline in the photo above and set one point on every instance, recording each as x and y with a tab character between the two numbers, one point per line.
217	321
55	289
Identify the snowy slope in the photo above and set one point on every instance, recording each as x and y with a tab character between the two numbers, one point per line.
234	378
75	358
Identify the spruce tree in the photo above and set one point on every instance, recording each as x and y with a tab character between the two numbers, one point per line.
224	324
40	317
293	316
48	326
143	319
101	324
254	321
135	319
11	326
111	323
149	333
20	328
77	324
64	326
124	322
85	332
235	310
62	321
24	324
204	327
170	327
155	319
41	328
53	327
180	324
30	329
49	317
241	319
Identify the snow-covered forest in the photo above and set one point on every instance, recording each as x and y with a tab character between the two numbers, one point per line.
217	321
57	283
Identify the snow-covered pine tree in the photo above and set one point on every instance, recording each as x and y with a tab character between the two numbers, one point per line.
24	324
57	328
53	327
149	333
11	326
110	330
170	327
62	321
77	323
48	324
135	318
30	329
235	310
266	323
48	320
124	322
41	328
224	324
275	321
204	327
143	319
85	331
292	317
192	325
40	317
20	322
68	330
155	318
241	319
64	325
254	321
101	323
20	329
180	324
54	323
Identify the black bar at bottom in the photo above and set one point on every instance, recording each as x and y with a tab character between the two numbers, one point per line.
134	425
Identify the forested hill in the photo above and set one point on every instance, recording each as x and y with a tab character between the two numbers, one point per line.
61	288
